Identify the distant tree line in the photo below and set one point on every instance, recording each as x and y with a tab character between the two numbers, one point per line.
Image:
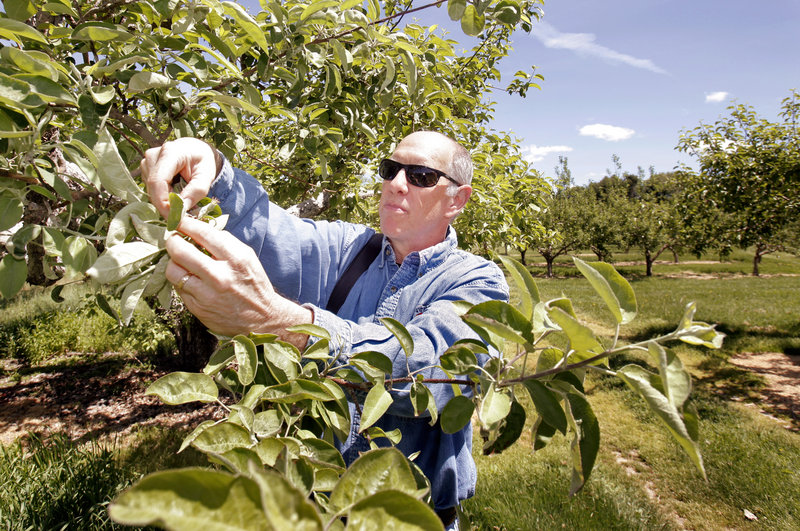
746	194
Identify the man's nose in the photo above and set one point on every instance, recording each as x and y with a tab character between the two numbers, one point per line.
399	183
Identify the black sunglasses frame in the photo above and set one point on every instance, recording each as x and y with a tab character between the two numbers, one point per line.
415	174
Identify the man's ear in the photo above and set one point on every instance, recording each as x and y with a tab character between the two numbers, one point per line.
459	200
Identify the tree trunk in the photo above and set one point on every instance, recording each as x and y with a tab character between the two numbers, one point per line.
194	342
757	259
549	260
648	260
522	256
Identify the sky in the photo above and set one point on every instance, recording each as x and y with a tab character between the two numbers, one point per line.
626	77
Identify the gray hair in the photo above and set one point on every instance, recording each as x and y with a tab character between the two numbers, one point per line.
461	164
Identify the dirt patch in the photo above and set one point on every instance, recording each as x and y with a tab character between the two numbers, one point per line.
88	399
782	373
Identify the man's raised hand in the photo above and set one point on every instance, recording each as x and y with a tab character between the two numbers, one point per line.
191	158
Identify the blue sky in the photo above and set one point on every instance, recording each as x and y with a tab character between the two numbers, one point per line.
625	77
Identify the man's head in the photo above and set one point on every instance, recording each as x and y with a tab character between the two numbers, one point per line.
415	217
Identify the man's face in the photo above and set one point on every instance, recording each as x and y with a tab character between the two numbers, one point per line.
415	218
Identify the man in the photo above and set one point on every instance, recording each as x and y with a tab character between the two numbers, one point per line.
414	279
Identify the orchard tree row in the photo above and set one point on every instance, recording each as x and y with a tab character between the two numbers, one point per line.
746	194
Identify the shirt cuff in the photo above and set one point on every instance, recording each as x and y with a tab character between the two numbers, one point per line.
341	340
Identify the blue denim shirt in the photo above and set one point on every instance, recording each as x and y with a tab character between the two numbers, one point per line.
304	259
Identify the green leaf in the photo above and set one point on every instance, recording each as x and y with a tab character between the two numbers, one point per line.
675	379
121	224
510	431
130	298
113	173
32	62
374	471
20	10
586	442
119	261
419	397
459	359
582	340
282	360
142	81
267	423
389	75
103	304
18	31
456	414
410	69
399	331
456	8
247	23
200	428
393	510
246	357
296	390
697	332
526	287
547	405
219	360
376	364
508	12
541	433
101	32
316	6
641	381
612	288
377	402
192	498
11	210
182	387
13	274
502	319
284	505
495	406
310	329
18	95
149	231
77	254
472	22
177	209
223	437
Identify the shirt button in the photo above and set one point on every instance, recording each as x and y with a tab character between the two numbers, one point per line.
394	289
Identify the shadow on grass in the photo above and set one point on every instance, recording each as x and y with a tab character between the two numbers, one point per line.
87	396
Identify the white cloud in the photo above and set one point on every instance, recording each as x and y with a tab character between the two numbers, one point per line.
534	153
584	43
716	97
612	133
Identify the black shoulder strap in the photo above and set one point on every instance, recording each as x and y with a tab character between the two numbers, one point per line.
360	263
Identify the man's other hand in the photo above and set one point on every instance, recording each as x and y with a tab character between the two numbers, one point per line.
192	158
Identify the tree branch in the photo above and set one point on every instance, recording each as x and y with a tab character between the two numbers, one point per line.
136	126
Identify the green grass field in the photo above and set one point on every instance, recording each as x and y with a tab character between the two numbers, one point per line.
642	479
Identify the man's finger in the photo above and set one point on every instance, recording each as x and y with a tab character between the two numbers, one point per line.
220	244
189	257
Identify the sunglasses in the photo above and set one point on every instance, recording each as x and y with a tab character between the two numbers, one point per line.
421	176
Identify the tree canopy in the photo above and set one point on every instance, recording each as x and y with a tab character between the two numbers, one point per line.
750	174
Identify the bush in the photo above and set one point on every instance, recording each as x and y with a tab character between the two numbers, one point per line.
37	332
